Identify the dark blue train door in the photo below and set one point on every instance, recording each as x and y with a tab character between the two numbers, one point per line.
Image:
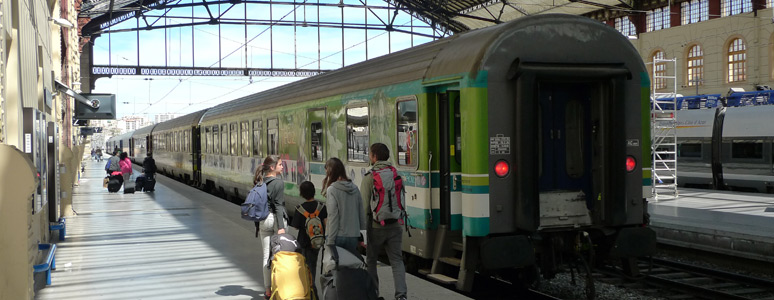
565	137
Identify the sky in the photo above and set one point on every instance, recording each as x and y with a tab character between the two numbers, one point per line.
241	46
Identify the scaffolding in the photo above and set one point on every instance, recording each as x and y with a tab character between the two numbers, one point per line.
663	128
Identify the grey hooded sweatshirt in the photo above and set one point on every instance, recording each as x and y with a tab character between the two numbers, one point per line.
346	216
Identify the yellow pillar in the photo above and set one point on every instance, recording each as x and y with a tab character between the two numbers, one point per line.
17	184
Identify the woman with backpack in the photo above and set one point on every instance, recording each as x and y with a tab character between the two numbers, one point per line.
346	215
269	174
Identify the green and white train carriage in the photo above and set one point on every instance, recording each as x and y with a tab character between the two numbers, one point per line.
508	138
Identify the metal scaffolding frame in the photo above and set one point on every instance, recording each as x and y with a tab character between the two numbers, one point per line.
272	16
663	128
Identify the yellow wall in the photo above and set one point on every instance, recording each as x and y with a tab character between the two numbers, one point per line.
30	58
714	36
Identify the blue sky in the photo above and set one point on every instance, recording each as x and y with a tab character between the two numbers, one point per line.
292	47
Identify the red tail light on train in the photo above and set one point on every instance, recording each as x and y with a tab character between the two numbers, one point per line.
630	163
502	168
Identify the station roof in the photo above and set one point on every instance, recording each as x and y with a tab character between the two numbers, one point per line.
453	16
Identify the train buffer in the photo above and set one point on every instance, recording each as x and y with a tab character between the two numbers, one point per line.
49	261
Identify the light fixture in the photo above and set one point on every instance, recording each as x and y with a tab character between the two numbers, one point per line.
61	22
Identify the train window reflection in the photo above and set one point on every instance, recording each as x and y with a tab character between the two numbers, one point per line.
407	133
224	139
357	134
574	135
746	150
257	138
234	140
273	136
316	135
245	131
689	150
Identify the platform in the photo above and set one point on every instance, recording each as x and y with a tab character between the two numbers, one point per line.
735	223
175	243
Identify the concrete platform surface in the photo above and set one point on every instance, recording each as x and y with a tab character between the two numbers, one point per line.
175	243
736	223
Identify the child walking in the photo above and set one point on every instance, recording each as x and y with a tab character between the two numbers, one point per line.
309	218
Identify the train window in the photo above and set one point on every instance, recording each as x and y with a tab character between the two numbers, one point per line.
186	141
689	150
207	140
224	139
245	131
257	138
407	132
272	126
215	140
316	135
574	137
234	139
357	134
749	150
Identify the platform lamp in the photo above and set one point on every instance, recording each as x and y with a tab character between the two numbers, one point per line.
61	22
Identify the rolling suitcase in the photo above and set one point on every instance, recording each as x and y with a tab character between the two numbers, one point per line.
129	187
150	184
139	183
114	183
348	280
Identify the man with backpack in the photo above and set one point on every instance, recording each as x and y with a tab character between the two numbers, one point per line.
309	218
382	190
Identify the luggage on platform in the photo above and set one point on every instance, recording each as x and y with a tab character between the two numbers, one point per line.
290	276
114	183
348	280
139	183
150	184
129	187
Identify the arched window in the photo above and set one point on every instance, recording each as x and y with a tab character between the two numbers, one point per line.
695	66
737	61
659	69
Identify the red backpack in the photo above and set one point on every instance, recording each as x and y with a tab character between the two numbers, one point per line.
388	203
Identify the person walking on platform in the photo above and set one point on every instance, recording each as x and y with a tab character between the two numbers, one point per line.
93	154
310	218
149	166
99	154
346	216
268	173
113	164
387	233
126	167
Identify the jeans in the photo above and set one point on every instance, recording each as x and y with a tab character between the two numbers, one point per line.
349	243
389	238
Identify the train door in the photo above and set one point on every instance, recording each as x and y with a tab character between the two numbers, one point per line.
315	126
449	158
195	148
565	139
148	145
564	118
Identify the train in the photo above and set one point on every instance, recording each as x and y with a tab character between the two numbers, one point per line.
523	146
729	148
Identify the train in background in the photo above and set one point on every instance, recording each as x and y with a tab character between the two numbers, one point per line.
518	157
727	142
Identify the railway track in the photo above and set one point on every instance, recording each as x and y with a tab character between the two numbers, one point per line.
676	280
